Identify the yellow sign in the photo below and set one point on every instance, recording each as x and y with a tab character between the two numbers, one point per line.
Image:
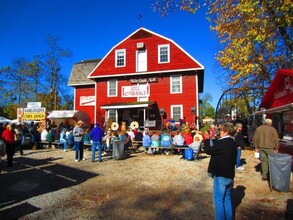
34	114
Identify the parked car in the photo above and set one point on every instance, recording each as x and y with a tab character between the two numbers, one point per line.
15	121
4	120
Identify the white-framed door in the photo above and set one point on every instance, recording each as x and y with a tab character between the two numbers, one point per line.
141	64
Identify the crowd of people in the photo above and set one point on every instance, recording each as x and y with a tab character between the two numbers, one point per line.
224	143
16	138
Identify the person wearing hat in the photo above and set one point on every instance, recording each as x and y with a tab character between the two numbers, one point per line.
96	135
78	133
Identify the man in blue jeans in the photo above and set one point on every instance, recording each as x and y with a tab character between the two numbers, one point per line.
96	135
222	168
78	133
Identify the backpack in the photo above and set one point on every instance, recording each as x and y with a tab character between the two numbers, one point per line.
27	139
18	137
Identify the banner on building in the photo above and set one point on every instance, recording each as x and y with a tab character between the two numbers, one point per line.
87	100
135	91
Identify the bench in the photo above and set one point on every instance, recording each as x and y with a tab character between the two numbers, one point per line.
135	145
172	148
45	144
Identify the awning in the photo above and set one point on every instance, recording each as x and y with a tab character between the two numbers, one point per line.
70	114
62	114
126	105
279	109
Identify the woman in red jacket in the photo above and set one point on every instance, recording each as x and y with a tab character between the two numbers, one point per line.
9	137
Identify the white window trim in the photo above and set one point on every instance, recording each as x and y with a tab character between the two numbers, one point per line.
116	57
171	84
181	112
116	114
108	88
159	50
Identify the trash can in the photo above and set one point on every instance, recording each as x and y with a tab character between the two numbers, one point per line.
118	150
280	171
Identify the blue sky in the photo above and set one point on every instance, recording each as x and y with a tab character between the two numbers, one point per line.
90	28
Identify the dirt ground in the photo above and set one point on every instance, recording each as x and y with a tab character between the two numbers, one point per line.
49	184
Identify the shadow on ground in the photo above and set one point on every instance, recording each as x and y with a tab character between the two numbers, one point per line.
29	178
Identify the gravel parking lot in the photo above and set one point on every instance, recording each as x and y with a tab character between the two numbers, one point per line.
49	184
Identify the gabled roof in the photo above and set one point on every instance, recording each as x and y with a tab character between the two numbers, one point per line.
80	71
277	86
104	71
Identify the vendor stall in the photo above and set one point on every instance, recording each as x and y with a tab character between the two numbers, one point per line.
277	104
69	117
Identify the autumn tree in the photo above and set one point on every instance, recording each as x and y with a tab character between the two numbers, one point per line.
256	39
205	108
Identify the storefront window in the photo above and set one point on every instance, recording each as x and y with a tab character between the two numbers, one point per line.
112	115
288	125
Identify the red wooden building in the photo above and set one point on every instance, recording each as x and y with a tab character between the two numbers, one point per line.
146	78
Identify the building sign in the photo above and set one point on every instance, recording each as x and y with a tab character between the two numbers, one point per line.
144	80
135	91
286	89
34	114
87	100
34	105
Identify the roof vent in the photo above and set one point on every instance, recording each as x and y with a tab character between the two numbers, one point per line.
140	45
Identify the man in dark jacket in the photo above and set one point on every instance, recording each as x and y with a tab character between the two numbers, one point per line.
222	168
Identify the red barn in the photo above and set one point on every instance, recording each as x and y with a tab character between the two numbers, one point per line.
146	78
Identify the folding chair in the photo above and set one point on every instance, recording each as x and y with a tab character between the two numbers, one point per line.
196	146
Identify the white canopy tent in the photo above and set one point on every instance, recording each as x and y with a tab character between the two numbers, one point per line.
71	116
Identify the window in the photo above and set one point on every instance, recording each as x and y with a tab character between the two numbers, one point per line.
176	84
177	112
164	53
112	88
112	115
120	58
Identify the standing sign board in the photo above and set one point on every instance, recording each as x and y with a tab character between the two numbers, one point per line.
34	105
